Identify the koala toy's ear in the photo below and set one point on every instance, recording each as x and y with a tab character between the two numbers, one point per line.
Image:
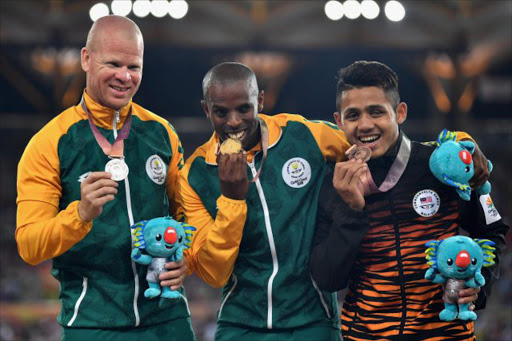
470	146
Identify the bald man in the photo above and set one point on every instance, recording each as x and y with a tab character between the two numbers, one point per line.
85	178
254	228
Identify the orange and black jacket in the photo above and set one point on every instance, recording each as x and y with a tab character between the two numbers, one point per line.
379	252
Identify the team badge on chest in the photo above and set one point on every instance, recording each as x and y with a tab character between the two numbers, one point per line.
296	172
156	169
426	203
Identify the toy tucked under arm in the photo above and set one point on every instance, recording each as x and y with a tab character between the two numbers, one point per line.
452	164
457	261
163	240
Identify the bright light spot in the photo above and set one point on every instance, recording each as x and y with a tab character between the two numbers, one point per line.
333	10
370	9
141	8
178	8
352	9
97	11
394	10
159	8
121	7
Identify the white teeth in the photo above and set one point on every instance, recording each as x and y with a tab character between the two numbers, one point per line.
118	88
236	135
369	138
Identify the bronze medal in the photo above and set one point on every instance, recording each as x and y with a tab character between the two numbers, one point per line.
359	153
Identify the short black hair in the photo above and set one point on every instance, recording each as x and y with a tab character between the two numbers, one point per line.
363	74
229	72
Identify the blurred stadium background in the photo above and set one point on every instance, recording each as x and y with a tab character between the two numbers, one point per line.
453	58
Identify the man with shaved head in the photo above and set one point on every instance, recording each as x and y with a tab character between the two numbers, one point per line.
85	178
255	212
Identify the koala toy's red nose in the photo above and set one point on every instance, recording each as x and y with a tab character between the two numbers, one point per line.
463	260
465	156
170	235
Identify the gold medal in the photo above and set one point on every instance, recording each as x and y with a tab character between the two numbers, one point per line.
231	146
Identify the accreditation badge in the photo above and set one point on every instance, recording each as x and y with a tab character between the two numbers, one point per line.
426	203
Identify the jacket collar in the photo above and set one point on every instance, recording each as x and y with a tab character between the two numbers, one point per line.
274	135
102	116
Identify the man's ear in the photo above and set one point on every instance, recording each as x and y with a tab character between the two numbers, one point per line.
261	98
401	113
205	108
84	59
337	119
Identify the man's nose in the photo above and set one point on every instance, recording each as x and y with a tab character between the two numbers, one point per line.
234	120
365	122
123	74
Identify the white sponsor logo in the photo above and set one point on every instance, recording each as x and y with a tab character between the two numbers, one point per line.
84	176
296	172
426	203
491	213
156	169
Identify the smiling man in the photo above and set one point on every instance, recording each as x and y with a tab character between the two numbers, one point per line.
85	178
254	232
390	206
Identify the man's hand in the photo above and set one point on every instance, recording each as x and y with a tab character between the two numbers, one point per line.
174	277
96	190
481	169
234	182
468	295
347	183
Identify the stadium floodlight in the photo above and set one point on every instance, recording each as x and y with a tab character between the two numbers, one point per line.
159	8
142	8
98	10
121	7
178	8
333	10
370	9
352	9
394	10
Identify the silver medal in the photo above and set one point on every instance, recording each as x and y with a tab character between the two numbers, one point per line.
118	168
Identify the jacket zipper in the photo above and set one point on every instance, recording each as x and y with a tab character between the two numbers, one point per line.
271	242
400	266
116	120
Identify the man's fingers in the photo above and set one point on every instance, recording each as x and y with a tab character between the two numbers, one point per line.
101	183
468	295
95	176
176	265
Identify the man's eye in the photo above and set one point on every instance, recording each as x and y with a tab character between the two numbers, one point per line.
219	113
244	109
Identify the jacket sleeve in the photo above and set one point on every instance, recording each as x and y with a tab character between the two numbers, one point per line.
216	242
338	235
480	218
42	232
330	139
173	181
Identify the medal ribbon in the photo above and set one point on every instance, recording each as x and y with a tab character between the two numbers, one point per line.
395	171
264	146
112	150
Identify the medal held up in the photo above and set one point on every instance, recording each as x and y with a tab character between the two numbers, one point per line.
116	166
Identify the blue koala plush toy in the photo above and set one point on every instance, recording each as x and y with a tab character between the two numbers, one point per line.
163	240
452	164
457	261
